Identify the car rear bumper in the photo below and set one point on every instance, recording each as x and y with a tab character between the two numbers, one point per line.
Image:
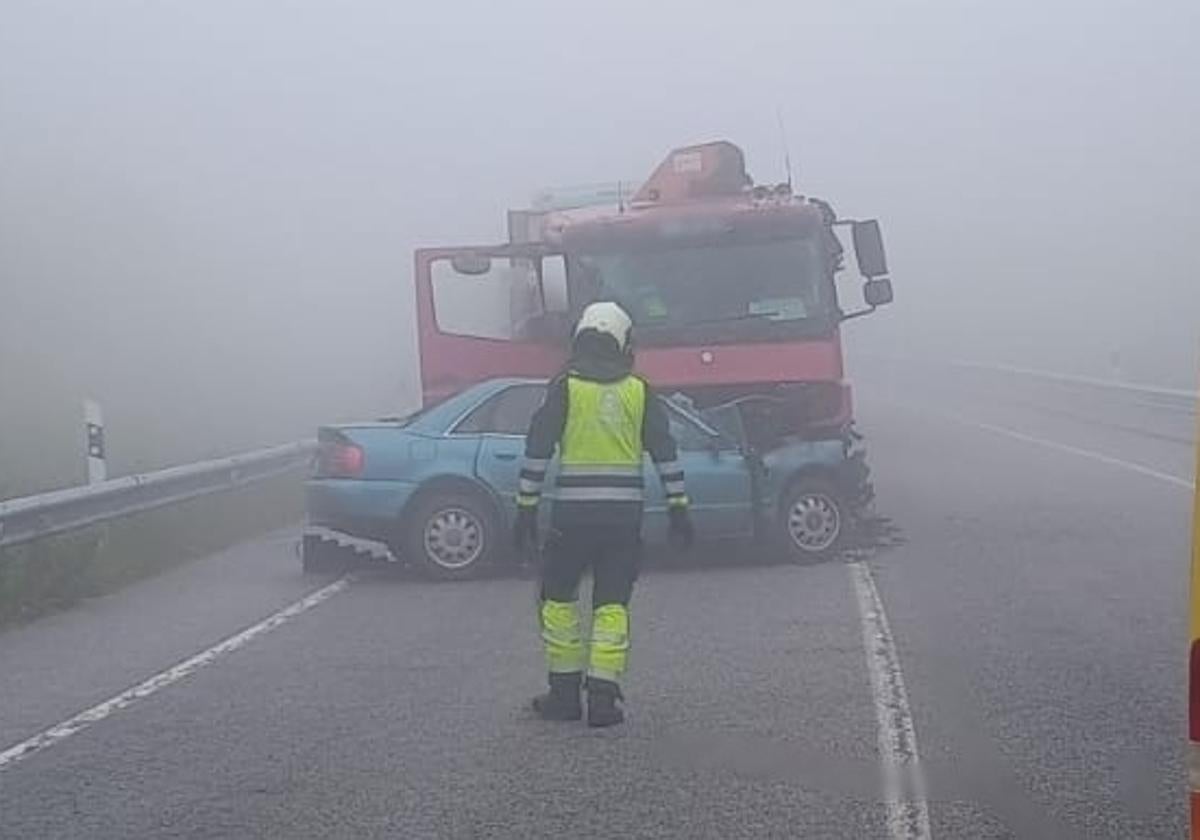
357	546
364	509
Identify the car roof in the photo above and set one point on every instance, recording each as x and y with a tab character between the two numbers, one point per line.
439	418
443	416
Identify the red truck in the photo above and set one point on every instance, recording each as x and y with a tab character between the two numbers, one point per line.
731	287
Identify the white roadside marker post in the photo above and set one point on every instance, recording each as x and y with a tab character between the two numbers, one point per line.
93	426
97	461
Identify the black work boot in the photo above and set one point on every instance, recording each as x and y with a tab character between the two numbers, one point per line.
602	703
561	702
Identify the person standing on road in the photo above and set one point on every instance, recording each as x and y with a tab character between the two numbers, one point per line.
600	417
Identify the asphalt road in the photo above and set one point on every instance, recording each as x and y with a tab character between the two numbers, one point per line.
1033	574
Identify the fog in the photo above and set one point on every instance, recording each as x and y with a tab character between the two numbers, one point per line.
207	210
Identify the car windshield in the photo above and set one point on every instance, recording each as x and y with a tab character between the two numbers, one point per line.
718	291
697	423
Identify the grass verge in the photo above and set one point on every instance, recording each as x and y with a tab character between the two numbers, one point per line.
58	571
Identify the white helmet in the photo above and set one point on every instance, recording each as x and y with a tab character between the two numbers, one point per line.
606	317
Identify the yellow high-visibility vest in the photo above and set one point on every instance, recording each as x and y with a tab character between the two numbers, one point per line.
601	446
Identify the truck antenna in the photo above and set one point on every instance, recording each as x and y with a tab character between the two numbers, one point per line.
783	138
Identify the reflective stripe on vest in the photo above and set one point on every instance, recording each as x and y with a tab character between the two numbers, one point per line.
601	449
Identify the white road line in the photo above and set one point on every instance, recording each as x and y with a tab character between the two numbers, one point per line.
49	737
1111	384
903	778
1083	453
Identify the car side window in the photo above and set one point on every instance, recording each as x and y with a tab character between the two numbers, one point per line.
506	413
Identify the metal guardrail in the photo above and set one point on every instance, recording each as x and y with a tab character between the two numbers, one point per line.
46	514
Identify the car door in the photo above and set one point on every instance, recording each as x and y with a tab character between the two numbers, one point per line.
501	422
718	483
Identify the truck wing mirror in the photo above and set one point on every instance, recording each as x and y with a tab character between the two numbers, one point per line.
877	292
868	249
471	264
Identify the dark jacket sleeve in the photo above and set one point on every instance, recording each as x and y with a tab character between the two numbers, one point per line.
545	432
657	439
656	430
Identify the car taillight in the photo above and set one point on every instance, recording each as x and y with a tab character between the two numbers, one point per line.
339	459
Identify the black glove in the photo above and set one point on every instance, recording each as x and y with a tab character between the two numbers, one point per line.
525	529
680	531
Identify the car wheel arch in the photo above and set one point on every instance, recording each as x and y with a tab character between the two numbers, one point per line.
453	484
405	541
808	471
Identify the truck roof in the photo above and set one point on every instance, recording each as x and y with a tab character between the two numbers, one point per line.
695	192
769	219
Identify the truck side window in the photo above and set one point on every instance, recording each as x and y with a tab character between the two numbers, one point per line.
487	305
554	283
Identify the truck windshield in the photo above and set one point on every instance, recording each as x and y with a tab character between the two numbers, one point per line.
718	291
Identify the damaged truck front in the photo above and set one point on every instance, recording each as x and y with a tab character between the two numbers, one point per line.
732	287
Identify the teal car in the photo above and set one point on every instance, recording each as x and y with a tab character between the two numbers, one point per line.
437	489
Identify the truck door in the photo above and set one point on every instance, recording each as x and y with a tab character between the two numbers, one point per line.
484	312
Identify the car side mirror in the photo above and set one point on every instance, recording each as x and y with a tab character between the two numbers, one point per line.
868	249
877	292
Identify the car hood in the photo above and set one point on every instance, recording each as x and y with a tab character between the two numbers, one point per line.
757	423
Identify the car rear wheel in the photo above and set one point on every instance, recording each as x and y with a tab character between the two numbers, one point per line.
812	519
452	535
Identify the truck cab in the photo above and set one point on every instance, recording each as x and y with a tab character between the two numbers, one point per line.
731	288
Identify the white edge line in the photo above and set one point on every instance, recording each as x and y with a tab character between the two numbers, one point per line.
49	737
1083	453
904	788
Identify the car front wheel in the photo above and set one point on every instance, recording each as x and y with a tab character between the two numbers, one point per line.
812	519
